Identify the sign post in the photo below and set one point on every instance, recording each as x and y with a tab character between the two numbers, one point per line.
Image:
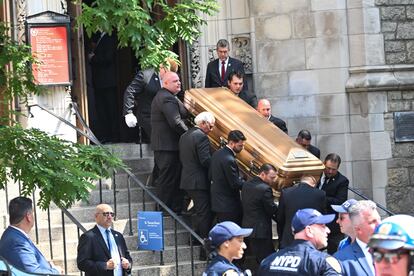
150	231
48	35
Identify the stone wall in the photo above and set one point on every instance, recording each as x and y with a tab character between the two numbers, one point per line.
397	25
400	188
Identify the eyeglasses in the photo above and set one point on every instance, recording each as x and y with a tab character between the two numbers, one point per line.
390	257
106	214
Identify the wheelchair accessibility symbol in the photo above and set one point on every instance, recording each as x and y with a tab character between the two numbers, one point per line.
143	237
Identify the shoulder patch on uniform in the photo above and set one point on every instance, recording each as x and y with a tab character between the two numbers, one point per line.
231	272
334	263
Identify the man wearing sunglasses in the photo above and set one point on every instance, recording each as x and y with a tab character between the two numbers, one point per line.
392	246
101	250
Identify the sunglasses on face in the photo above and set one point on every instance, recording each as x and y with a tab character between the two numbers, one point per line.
106	214
390	257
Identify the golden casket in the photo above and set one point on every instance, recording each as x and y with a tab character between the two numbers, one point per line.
265	142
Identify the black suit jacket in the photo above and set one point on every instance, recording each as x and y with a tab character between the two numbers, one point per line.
315	151
226	182
279	123
336	193
258	208
140	93
195	157
93	253
167	113
292	199
213	78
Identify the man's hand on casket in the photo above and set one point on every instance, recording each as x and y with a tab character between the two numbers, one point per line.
131	120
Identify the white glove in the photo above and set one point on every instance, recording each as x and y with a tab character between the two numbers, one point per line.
131	120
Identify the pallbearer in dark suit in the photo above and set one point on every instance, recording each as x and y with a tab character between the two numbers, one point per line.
195	156
301	196
265	109
235	85
101	250
335	186
258	210
226	182
167	114
140	93
304	139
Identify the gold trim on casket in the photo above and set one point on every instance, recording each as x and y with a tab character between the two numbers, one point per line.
265	142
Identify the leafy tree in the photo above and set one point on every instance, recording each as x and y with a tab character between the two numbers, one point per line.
150	27
63	171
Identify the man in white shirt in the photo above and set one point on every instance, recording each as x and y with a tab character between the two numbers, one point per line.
356	258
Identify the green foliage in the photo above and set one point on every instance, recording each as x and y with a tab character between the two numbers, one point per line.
15	70
133	22
62	171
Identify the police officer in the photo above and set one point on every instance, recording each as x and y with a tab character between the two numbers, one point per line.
227	237
392	246
302	256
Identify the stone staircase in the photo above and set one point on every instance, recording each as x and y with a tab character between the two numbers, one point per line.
144	262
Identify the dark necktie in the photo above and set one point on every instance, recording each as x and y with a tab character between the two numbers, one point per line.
326	181
108	239
223	70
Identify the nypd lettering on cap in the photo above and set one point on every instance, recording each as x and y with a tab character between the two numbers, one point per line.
286	263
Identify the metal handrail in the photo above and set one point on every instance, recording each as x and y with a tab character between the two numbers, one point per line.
367	198
89	134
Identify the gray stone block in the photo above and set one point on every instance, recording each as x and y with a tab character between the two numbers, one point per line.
394	46
394	95
330	23
265	7
398	177
287	106
364	103
285	55
335	104
366	123
400	2
327	52
265	28
271	85
362	173
411	172
398	162
399	106
380	143
395	58
388	26
379	174
303	25
408	95
400	199
297	124
393	13
405	150
405	30
360	146
389	35
410	51
333	124
318	81
337	143
322	5
381	2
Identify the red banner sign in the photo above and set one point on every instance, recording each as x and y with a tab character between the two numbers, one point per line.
50	48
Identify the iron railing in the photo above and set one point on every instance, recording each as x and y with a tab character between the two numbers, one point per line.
131	180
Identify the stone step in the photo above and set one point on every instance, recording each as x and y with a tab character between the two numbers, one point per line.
184	268
129	150
147	258
139	164
137	195
131	242
87	213
71	230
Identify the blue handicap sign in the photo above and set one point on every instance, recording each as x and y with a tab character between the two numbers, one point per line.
150	231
